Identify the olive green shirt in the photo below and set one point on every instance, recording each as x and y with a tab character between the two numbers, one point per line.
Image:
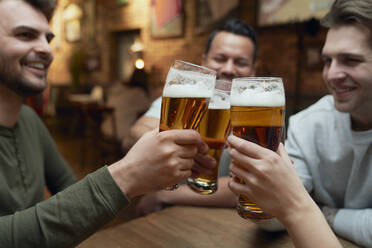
29	161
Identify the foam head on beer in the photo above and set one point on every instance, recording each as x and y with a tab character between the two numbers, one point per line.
220	100
181	83
260	92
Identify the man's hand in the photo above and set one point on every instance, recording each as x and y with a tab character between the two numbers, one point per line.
269	178
158	160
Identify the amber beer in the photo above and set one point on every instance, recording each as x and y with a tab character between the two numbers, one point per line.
214	128
257	115
182	112
186	96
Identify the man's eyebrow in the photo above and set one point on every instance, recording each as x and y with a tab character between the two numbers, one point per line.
26	28
49	35
345	54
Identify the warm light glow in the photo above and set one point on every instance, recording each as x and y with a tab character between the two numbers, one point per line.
140	64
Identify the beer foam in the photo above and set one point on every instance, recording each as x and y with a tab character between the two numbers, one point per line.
219	100
257	98
181	83
186	90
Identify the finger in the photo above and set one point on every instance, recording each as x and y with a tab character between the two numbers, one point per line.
188	151
238	188
184	137
202	147
186	164
232	189
283	153
195	174
243	160
248	148
205	161
239	173
198	169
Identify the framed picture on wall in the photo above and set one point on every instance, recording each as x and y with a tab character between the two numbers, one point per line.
166	18
277	12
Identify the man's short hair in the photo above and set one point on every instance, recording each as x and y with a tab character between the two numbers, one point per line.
238	27
45	6
344	12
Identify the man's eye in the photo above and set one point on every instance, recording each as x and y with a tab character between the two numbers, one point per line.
219	59
25	36
353	60
326	60
241	63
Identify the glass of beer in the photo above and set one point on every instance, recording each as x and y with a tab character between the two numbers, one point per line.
214	129
257	115
186	96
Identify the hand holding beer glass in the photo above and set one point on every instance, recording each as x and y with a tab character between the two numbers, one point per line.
214	129
186	96
257	115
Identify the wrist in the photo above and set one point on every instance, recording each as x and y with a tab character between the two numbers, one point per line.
301	211
329	214
125	181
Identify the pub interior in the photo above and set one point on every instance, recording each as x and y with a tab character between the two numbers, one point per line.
98	42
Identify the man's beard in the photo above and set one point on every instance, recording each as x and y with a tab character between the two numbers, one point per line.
17	82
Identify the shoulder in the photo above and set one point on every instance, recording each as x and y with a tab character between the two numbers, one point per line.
319	121
319	111
156	103
155	109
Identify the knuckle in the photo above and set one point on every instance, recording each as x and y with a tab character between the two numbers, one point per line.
163	137
274	159
167	151
172	165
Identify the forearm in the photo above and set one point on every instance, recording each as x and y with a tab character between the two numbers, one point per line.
355	225
308	228
68	217
140	127
185	196
143	125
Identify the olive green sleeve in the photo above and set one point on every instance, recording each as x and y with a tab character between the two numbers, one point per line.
68	217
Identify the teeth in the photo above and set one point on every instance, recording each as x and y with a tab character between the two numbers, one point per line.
37	65
342	90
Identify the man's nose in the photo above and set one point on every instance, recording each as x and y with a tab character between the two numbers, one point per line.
334	71
43	49
228	67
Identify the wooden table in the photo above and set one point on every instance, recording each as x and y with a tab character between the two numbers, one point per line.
181	227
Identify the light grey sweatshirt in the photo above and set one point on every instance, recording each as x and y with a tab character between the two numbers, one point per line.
335	165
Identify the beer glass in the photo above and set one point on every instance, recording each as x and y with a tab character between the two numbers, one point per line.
214	129
257	115
186	96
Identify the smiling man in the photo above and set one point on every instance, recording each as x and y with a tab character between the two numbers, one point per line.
30	161
330	142
231	51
